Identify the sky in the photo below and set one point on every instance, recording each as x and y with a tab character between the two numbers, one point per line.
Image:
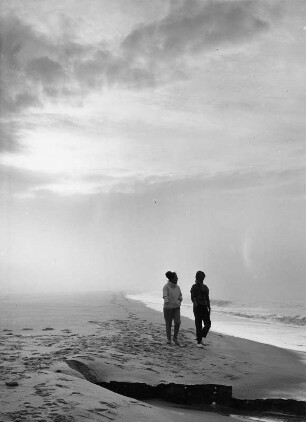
140	136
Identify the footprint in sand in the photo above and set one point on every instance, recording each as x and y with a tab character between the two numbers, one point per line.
107	413
109	404
84	357
231	377
151	369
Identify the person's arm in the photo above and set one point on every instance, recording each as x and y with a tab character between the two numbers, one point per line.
193	296
180	296
166	294
208	300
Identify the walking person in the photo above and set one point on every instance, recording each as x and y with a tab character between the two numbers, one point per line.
201	307
172	302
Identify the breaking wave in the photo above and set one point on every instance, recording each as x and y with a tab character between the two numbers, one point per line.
298	320
220	302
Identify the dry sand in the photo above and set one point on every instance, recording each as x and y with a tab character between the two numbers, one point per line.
122	339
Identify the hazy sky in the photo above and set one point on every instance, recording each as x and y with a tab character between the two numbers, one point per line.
140	136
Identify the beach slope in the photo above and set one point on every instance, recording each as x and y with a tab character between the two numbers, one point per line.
46	363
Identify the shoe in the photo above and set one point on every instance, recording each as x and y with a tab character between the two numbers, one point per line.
176	342
200	345
169	342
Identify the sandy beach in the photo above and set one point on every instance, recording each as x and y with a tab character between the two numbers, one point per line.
47	356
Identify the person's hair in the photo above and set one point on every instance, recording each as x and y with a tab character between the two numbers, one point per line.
170	275
200	275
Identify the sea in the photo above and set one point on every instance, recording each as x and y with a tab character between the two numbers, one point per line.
278	323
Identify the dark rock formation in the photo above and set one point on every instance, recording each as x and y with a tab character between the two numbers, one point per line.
193	395
175	393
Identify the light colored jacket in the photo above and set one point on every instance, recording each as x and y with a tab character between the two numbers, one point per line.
172	296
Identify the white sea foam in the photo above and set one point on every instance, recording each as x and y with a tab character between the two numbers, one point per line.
276	323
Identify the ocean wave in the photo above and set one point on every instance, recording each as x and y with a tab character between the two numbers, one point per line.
298	320
220	302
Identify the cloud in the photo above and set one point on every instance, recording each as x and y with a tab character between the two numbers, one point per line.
112	70
12	103
9	137
158	52
39	69
14	36
20	181
18	43
196	26
287	182
47	71
93	71
226	181
33	67
151	54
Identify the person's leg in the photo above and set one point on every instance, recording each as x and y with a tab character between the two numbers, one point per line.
168	321
198	323
207	322
177	322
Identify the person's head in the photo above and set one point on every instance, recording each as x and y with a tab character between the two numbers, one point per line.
200	275
172	277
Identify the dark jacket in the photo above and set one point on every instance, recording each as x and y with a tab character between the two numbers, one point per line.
200	294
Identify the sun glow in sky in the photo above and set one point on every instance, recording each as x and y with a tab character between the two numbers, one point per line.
138	137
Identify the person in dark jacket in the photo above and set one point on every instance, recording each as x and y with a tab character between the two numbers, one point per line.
201	307
172	302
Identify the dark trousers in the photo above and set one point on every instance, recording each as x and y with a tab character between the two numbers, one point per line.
175	316
201	315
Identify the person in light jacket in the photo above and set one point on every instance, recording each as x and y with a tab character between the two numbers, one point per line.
172	302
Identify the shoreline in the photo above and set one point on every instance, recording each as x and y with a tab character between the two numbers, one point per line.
301	355
120	339
273	363
231	322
